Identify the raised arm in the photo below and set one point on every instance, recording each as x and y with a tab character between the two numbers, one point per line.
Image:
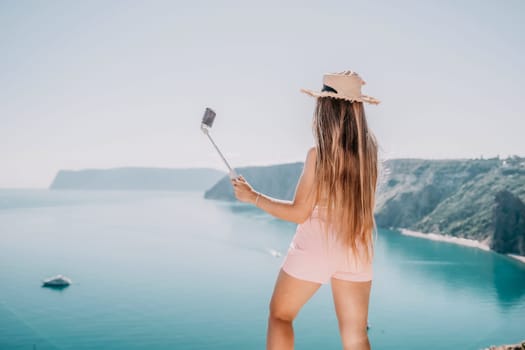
300	208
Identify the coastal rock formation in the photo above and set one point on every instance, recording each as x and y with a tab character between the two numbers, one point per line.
519	346
135	178
509	224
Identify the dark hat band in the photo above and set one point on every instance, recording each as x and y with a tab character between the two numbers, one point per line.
328	88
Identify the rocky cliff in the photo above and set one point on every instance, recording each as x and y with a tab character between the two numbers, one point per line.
509	224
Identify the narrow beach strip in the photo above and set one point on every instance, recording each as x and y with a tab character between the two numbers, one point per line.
518	257
456	240
445	238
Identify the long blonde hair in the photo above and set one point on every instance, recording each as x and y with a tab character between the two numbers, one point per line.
346	171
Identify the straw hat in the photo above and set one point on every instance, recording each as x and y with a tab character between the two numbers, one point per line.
345	85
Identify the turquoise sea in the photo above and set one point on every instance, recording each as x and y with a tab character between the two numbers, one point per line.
171	270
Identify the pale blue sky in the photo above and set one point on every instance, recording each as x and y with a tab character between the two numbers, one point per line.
99	84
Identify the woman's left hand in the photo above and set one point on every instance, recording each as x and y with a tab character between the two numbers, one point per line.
243	191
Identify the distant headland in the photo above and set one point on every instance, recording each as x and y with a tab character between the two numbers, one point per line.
137	178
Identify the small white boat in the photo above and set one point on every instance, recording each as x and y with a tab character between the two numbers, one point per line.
56	281
274	252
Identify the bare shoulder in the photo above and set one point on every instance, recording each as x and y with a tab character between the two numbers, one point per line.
312	153
311	156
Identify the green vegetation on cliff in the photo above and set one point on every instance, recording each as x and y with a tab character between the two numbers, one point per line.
455	197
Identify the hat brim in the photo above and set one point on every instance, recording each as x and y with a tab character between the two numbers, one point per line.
362	98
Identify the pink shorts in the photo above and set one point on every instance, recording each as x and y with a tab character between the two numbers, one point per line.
309	260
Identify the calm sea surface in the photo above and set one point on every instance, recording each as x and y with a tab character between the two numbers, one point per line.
171	270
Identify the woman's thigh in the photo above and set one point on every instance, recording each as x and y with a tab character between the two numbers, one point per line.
351	301
289	295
